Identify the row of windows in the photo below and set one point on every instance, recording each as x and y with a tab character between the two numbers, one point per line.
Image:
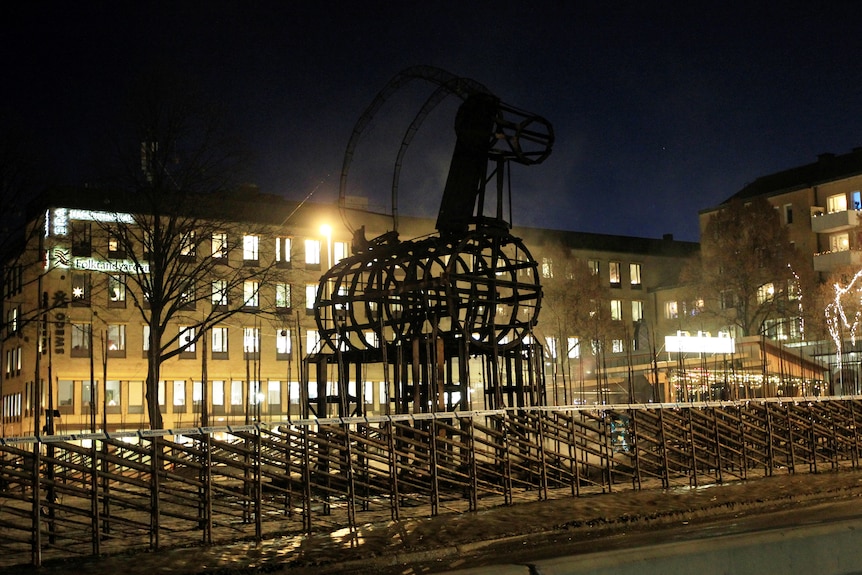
219	246
573	347
82	291
218	338
615	272
176	396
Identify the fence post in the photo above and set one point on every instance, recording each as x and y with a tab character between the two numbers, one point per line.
36	559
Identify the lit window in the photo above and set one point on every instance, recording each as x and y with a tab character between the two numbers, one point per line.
282	250
81	336
726	299
219	293
765	293
187	339
81	289
251	293
219	339
236	392
595	267
637	310
116	289
146	338
616	309
573	347
250	248
251	339
617	346
836	203
187	295
547	268
635	275
179	392
671	310
112	393
312	341
282	295
116	337
187	245
312	252
310	296
340	251
551	342
282	342
837	243
615	274
219	245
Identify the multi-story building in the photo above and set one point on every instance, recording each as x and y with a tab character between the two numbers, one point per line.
94	341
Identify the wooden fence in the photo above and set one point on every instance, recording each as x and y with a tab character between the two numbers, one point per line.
154	489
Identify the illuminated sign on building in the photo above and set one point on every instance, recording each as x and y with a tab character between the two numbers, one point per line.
61	258
700	343
60	218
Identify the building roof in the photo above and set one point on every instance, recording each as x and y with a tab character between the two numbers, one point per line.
827	168
666	246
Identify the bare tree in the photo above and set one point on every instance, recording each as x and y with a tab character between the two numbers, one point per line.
573	311
173	222
748	272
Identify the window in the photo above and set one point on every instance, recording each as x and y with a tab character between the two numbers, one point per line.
595	267
614	270
66	395
116	291
179	388
547	268
312	341
251	293
836	203
310	297
573	348
187	341
617	346
282	295
857	200
637	310
635	275
250	249
12	317
255	397
218	396
671	310
616	309
116	340
219	342
788	214
89	393
273	396
282	251
187	295
146	338
219	245
136	397
312	252
551	343
197	395
765	293
115	246
187	245
80	289
340	251
282	344
726	299
81	337
251	341
219	293
236	393
112	396
837	242
82	238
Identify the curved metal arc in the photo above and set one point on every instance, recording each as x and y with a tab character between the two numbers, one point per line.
447	81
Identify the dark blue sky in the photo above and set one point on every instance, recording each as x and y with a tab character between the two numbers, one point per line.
660	108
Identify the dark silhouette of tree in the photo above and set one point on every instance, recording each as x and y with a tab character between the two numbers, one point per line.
177	224
748	272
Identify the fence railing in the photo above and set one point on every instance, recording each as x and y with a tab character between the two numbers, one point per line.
92	494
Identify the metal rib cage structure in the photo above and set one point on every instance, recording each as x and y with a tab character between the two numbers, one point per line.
482	286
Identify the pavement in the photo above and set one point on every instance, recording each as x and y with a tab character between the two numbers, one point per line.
503	538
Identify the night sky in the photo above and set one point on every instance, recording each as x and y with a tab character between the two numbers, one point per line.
660	109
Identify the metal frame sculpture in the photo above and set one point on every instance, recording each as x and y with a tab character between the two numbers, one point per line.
421	308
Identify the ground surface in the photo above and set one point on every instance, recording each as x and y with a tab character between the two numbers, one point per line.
457	541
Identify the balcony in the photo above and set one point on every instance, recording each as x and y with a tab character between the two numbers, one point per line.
828	261
823	223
